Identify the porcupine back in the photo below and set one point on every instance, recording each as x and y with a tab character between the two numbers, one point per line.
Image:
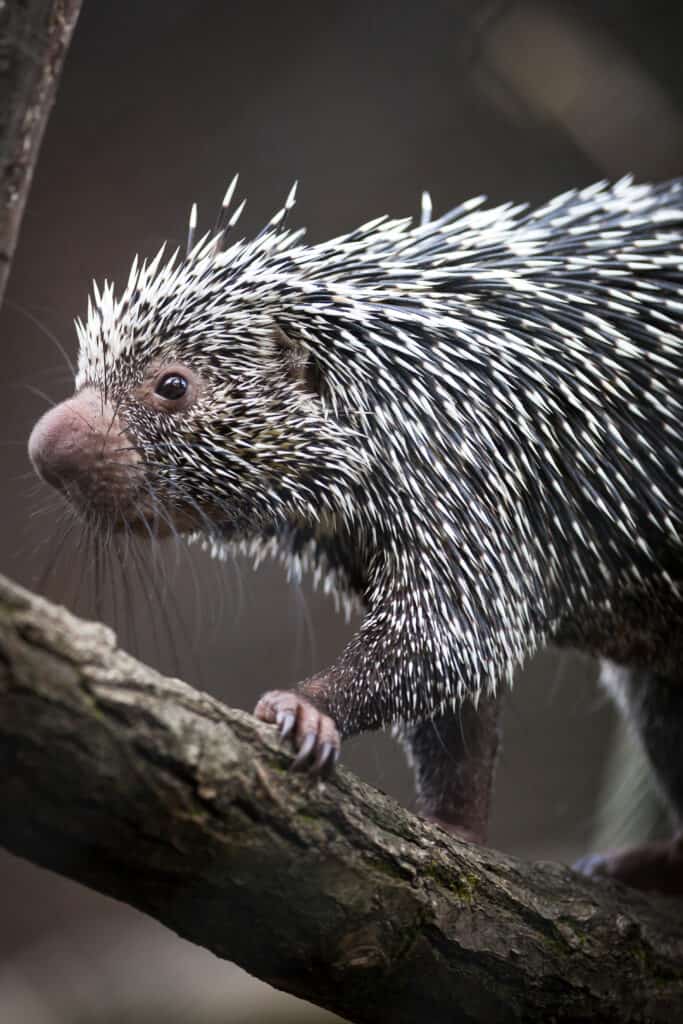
501	411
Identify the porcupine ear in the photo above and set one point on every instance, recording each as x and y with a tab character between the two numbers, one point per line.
300	363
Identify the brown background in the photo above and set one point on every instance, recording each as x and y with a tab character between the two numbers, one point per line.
366	104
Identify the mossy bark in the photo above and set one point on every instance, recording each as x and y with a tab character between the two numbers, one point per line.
148	790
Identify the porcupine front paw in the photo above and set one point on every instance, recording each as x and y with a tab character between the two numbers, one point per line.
656	865
313	734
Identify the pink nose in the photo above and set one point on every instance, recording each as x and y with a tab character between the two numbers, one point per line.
81	447
66	439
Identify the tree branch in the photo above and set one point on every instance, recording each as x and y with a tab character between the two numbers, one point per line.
34	38
148	790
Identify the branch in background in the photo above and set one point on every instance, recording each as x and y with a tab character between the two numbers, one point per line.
35	36
145	789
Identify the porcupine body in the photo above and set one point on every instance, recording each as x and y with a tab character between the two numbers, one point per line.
472	427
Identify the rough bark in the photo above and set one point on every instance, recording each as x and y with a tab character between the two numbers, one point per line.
34	38
144	788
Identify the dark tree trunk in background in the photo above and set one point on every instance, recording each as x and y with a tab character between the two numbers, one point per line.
145	789
34	38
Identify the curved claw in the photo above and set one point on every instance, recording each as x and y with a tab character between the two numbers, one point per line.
591	864
305	749
326	759
286	721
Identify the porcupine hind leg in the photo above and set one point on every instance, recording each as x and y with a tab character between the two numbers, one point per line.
654	705
454	758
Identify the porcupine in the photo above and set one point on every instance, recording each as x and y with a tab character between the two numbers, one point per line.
471	426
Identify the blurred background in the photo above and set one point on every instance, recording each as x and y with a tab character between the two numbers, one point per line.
366	103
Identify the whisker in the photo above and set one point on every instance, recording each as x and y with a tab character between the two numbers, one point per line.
66	529
51	402
44	330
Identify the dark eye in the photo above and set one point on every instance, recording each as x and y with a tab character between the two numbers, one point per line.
172	386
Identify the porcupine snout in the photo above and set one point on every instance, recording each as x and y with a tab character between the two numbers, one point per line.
81	449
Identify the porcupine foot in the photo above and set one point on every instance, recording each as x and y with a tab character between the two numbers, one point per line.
313	734
654	705
656	865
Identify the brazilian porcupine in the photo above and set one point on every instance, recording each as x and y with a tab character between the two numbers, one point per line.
471	426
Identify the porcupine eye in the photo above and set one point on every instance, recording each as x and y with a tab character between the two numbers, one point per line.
172	386
169	389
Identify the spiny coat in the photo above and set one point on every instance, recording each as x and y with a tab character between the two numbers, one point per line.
472	425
